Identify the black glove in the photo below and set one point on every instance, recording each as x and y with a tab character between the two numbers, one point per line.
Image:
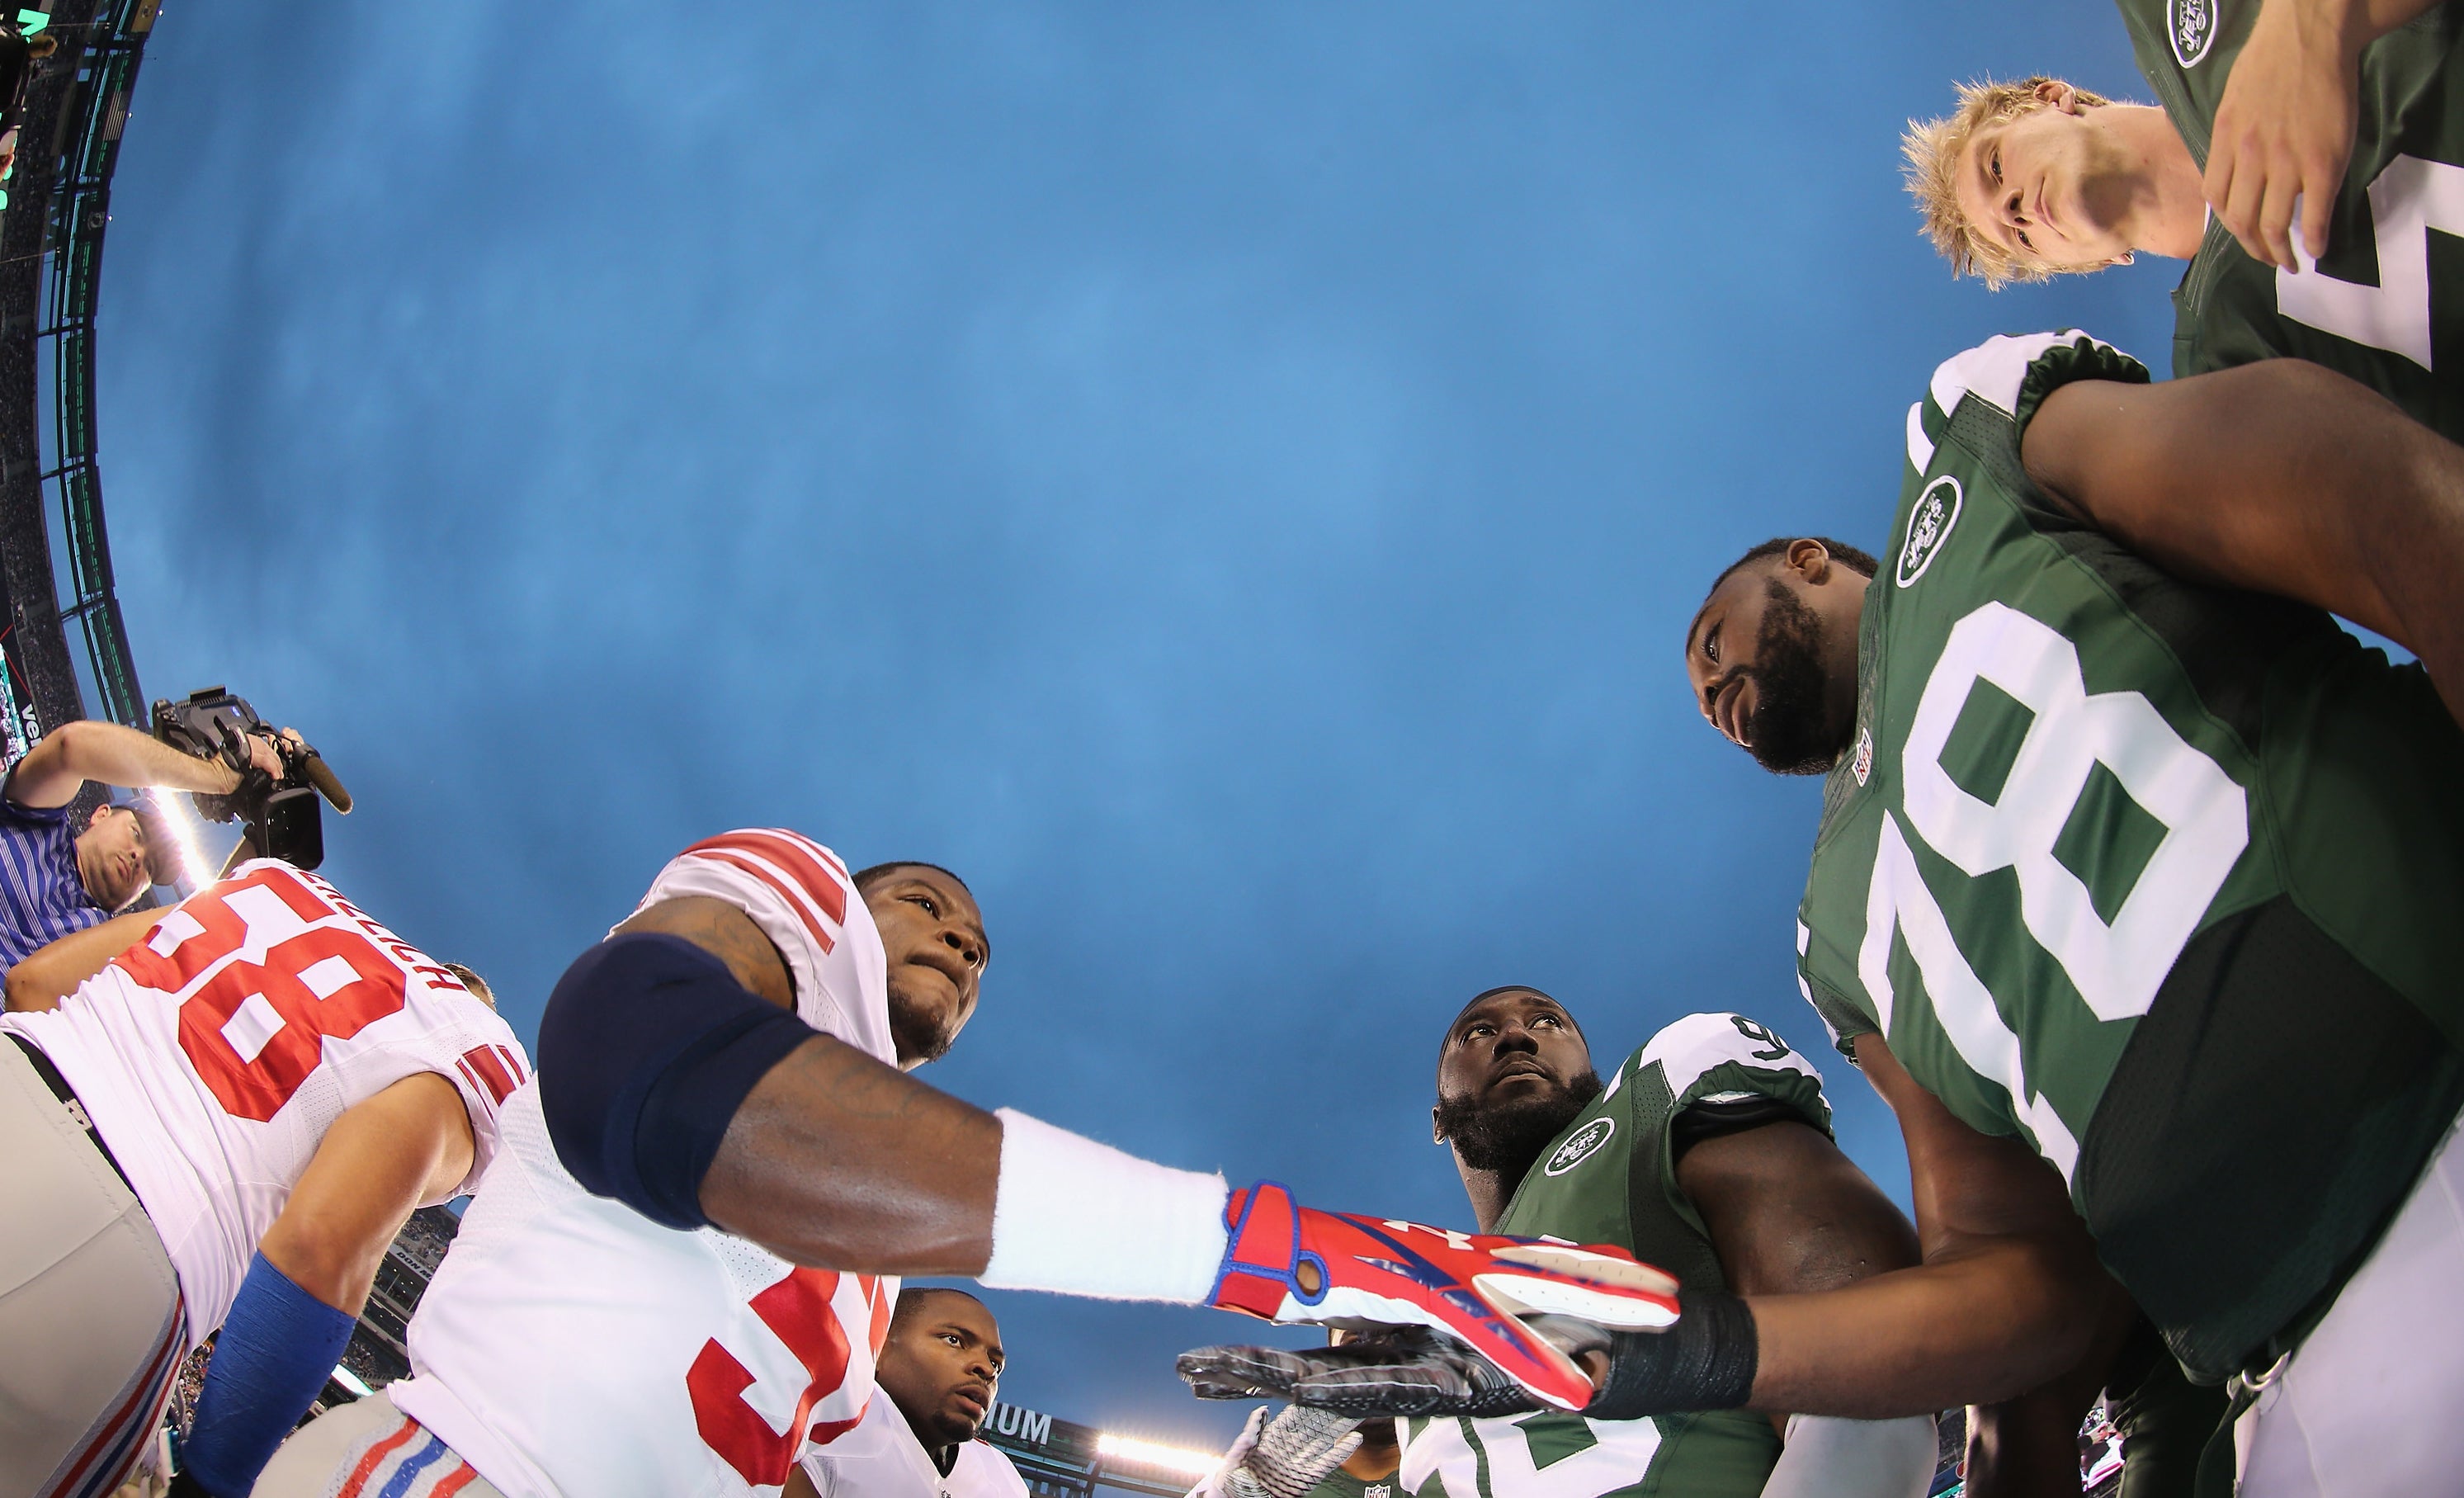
1399	1371
1705	1361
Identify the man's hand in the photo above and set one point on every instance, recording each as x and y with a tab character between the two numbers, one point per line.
1286	1263
1281	1458
1407	1371
2284	127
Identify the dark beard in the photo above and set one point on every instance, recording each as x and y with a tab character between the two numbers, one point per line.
1791	728
921	1036
1509	1137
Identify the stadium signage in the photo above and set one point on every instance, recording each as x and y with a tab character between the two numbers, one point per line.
1019	1425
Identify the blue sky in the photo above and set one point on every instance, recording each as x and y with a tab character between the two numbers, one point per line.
1229	481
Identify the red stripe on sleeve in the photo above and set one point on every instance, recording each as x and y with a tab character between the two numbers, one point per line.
812	927
794	854
489	1073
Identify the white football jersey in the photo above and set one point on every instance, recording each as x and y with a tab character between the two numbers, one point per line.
881	1458
569	1347
214	1053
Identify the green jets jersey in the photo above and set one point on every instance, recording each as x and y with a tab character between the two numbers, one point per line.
2387	304
1340	1484
2155	877
1610	1178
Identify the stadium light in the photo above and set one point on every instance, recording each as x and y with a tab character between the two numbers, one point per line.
184	832
1149	1453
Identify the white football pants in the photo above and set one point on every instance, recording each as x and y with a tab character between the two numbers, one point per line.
2371	1403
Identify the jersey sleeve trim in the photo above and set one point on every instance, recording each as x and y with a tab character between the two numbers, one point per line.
1707	1054
2013	374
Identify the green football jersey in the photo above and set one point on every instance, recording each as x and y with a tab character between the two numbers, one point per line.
1610	1178
2387	304
2155	877
1340	1484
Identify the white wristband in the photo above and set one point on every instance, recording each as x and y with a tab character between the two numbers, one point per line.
1079	1218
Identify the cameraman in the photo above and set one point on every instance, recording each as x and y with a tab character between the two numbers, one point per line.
52	884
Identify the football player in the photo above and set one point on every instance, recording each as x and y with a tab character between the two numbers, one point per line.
936	1379
1707	1151
2031	178
223	1126
2112	853
2128	897
635	1302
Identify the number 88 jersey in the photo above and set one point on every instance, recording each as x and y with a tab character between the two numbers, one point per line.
214	1053
2157	878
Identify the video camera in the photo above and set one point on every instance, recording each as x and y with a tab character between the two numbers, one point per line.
281	821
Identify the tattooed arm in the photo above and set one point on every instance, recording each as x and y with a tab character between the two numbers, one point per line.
835	1159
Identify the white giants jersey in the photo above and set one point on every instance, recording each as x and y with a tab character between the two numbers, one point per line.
214	1053
569	1347
882	1459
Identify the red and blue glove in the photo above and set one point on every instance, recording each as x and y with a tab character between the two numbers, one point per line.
1284	1262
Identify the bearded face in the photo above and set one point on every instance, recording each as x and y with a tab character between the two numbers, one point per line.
1790	731
1507	1136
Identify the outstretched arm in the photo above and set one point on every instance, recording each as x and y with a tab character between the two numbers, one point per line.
2005	1299
54	970
834	1158
2282	477
293	1314
86	749
2284	127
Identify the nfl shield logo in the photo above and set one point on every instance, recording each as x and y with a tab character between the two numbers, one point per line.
2193	26
1377	1491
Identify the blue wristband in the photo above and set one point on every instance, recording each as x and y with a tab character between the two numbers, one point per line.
279	1346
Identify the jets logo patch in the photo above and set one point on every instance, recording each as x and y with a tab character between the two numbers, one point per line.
2193	26
1581	1146
1929	523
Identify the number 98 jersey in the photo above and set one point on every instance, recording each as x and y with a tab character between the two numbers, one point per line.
214	1053
2158	878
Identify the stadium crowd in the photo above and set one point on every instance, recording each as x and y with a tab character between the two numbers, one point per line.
2123	898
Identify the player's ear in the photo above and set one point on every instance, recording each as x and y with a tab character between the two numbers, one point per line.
2060	94
1810	559
1437	1130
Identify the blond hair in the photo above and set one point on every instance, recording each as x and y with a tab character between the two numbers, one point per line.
1932	149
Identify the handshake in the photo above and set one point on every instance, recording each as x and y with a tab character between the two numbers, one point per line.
1451	1323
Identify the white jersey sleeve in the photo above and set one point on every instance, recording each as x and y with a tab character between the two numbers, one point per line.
570	1347
801	896
214	1053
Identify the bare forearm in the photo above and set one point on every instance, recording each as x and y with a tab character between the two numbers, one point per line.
409	1143
2357	23
1972	1331
74	753
2282	477
837	1161
53	972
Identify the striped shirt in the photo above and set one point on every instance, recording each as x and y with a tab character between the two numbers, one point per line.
41	896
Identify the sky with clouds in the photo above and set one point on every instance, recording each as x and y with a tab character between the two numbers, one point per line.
1229	481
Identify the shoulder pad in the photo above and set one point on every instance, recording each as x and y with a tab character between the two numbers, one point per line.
2013	374
1692	1047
